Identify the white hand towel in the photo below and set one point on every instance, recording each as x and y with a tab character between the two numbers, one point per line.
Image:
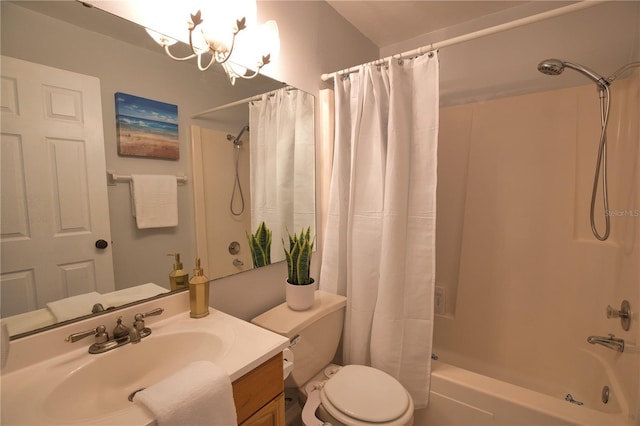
199	394
155	200
74	306
132	294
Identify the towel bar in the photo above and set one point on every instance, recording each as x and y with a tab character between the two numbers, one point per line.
113	178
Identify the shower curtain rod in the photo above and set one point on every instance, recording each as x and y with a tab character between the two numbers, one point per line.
240	102
474	35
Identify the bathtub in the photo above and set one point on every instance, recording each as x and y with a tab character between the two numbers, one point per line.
464	392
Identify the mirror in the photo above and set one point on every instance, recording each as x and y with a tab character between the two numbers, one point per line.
120	54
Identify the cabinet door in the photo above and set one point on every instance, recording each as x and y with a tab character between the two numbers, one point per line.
258	388
271	414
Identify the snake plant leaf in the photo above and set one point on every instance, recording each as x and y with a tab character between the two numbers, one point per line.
260	245
299	257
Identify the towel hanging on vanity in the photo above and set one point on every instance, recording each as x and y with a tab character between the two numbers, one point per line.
199	394
154	200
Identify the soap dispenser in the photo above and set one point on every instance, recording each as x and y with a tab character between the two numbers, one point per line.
199	292
178	278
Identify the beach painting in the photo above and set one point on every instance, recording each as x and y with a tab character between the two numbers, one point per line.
146	128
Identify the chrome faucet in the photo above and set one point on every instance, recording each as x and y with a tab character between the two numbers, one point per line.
139	331
121	334
611	342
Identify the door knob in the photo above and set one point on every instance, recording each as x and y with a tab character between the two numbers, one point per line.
102	244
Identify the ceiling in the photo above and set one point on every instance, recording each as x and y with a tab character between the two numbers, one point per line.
603	36
391	22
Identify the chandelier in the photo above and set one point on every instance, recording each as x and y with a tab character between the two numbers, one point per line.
225	32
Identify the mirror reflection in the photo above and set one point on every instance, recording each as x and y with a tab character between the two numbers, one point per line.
121	58
265	173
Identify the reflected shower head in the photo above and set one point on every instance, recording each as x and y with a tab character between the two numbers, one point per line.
236	140
556	67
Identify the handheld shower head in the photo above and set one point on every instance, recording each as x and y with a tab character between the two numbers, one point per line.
236	139
556	67
551	67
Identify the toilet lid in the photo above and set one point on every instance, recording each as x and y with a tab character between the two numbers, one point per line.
366	394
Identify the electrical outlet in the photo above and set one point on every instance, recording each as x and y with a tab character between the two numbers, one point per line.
440	301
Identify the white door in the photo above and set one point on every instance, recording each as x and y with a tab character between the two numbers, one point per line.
54	195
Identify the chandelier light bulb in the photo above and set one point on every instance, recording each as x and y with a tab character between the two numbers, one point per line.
222	31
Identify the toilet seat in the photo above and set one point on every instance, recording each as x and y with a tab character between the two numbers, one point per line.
359	395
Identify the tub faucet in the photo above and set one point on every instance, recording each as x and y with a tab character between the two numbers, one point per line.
611	342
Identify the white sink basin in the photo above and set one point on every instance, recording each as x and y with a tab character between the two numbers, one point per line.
80	388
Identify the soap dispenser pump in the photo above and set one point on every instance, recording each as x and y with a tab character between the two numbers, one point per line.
199	293
178	278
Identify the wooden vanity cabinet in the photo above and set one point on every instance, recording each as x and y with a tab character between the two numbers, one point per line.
259	395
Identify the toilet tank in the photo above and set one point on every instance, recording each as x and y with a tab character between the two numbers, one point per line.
319	328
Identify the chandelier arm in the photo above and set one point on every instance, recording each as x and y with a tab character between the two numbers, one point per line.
200	67
232	74
193	49
176	58
249	77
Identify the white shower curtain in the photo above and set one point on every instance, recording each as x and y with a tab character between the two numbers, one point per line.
282	164
379	248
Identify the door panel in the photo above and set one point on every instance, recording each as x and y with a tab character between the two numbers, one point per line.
54	196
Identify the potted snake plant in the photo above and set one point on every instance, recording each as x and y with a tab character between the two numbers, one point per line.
300	286
260	245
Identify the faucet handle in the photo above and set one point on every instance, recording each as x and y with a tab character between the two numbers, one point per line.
138	322
624	314
153	312
100	332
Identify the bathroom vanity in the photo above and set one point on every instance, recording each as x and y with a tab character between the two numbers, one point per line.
50	381
259	395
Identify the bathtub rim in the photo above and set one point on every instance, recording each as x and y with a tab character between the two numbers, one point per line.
443	374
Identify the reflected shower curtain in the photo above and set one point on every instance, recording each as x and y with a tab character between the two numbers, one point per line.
379	248
282	164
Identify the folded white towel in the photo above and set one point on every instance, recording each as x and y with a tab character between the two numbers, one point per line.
199	394
132	294
155	200
74	306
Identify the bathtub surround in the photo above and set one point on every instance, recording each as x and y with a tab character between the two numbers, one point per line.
380	239
528	269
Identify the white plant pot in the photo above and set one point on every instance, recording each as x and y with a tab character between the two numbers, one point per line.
300	297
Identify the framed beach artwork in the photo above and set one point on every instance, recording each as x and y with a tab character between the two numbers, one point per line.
146	128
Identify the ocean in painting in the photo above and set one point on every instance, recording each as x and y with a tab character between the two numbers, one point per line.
146	128
135	124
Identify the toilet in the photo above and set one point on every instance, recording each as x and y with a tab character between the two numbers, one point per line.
340	395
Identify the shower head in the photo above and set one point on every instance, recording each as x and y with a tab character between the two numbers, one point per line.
556	67
236	140
551	67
